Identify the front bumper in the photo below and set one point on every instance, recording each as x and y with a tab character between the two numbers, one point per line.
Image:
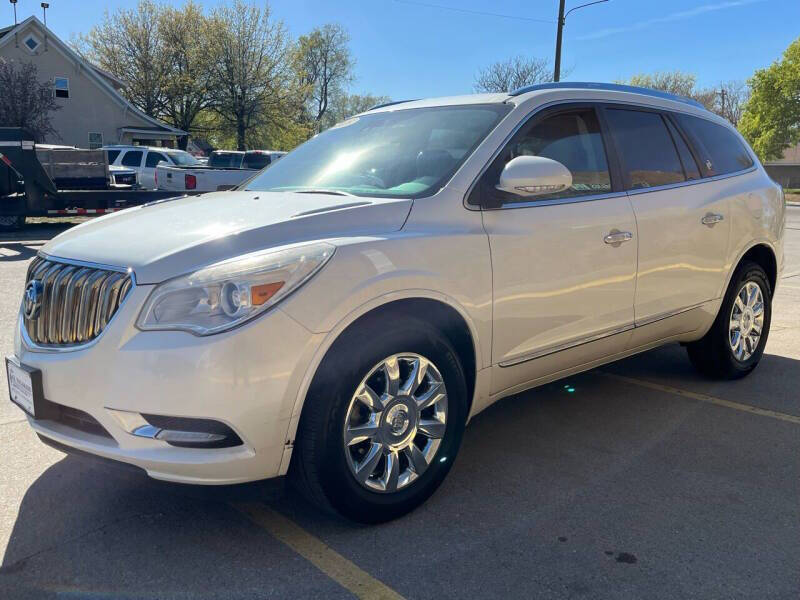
247	378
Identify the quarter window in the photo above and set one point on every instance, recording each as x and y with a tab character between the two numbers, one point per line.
61	87
132	158
723	152
153	158
648	154
572	138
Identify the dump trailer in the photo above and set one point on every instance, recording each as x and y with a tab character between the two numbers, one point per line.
47	182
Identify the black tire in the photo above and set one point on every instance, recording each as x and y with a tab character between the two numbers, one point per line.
712	355
319	468
11	222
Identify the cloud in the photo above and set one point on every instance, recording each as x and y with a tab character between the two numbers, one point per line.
677	16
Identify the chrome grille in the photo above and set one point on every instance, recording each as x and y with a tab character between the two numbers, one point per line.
75	304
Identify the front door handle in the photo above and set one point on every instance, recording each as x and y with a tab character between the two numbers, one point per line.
711	219
616	238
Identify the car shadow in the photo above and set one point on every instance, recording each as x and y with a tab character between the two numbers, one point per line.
569	482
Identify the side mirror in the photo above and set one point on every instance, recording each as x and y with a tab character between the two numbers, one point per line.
534	176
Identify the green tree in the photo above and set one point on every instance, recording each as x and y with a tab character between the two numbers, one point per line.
186	36
324	67
253	87
771	118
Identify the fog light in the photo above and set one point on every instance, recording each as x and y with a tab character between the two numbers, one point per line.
178	431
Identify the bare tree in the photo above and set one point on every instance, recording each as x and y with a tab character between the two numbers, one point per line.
128	45
731	97
252	83
25	102
514	73
324	66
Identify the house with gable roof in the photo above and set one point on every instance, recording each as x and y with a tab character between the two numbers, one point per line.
93	112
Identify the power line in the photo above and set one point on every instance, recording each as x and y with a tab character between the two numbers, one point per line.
474	12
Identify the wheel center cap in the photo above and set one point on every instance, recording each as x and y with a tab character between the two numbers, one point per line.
397	419
747	319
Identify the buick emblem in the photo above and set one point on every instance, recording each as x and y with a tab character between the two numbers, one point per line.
33	299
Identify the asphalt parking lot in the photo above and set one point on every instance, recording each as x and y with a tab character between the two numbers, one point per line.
645	481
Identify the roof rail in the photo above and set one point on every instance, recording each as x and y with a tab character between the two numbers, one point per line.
392	103
611	87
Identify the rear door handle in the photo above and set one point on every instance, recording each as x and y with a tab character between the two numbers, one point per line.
711	219
615	238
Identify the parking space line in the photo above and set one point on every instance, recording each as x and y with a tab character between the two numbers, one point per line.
704	398
334	565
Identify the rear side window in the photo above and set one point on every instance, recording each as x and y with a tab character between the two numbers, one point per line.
256	160
112	156
132	158
648	154
721	149
225	160
153	158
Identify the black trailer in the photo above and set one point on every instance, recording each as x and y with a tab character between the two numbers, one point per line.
26	190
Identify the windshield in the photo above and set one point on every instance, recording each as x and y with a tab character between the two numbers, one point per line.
183	159
406	153
226	160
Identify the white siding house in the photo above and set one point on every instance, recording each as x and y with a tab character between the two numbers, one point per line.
92	110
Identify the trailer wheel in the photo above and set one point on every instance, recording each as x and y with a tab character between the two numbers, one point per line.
11	222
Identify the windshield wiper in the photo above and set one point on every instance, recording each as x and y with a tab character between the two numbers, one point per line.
323	191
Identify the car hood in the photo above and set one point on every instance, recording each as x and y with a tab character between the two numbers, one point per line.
171	237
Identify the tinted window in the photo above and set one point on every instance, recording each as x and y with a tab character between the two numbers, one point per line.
718	144
687	160
571	138
255	160
153	158
112	156
132	158
648	154
225	160
183	159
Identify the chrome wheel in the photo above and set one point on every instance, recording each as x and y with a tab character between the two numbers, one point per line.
747	321
395	422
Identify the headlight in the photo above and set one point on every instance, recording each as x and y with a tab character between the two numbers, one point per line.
226	294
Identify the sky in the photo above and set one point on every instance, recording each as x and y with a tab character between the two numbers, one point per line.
420	48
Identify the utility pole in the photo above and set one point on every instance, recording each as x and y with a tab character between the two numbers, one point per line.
722	94
561	20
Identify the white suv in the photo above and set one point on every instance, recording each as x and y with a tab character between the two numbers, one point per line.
345	313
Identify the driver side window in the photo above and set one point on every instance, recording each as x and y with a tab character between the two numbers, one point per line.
574	139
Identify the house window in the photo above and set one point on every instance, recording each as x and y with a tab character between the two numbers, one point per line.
32	43
95	140
61	85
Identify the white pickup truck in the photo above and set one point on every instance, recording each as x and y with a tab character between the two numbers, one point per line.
225	170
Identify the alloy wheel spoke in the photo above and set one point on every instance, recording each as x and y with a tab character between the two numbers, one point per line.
758	309
415	378
370	398
431	396
361	433
739	304
415	458
735	324
391	369
752	293
367	466
392	471
431	428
